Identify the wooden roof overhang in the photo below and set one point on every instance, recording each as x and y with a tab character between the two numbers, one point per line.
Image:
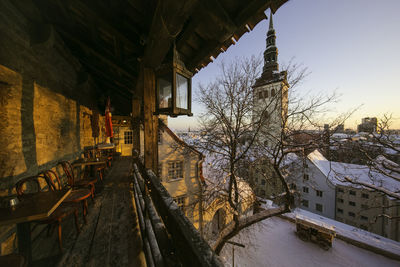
111	38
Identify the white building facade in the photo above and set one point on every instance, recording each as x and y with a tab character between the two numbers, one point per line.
314	192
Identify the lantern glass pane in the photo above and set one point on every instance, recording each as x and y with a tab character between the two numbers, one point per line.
182	88
164	93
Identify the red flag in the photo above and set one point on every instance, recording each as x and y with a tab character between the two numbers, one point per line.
109	129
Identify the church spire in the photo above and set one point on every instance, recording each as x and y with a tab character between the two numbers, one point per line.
271	22
271	51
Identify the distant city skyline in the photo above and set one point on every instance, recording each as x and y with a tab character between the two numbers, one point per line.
348	46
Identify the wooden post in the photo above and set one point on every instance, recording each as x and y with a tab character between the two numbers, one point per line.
150	120
136	103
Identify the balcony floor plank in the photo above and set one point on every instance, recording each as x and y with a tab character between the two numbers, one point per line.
112	235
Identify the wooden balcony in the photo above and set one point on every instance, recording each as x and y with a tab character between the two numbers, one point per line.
116	234
111	236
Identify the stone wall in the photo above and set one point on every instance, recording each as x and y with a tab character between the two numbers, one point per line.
47	100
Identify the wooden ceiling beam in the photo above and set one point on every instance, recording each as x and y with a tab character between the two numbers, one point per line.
100	74
207	50
100	21
168	20
188	32
250	9
220	14
112	87
96	54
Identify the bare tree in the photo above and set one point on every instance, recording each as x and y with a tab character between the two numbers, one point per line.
381	151
234	129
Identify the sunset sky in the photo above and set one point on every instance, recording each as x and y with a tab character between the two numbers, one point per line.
351	46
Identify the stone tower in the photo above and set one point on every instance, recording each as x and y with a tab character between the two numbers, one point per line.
271	93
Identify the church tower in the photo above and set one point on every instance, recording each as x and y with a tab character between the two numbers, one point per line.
270	93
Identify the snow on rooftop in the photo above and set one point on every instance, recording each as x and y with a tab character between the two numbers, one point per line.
289	159
273	242
337	171
349	231
340	136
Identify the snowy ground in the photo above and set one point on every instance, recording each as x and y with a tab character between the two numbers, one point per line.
273	242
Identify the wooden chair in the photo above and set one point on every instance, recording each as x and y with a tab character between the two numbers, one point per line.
78	195
33	184
73	182
110	157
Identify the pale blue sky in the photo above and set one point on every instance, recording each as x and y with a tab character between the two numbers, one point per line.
352	46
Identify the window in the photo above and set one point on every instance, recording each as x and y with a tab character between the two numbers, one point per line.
159	136
306	177
180	201
340	211
352	214
364	195
364	218
304	203
293	186
260	95
305	189
364	206
305	165
352	203
266	94
159	170
340	200
175	170
318	207
262	181
128	137
340	190
262	192
272	92
319	193
352	192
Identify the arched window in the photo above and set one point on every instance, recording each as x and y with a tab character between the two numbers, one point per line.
272	92
260	95
266	94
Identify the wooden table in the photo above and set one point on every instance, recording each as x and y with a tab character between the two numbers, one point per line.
90	163
30	208
105	146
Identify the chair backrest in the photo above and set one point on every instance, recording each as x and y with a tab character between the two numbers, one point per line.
53	180
33	184
69	171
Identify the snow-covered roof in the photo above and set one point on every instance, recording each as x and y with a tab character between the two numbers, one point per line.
290	158
349	231
273	242
337	171
340	136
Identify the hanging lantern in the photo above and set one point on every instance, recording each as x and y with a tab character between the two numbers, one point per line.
174	88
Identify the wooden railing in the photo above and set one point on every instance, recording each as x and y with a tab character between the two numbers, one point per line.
169	238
